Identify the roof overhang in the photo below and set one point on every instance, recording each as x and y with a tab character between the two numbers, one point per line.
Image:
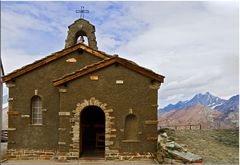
51	58
104	63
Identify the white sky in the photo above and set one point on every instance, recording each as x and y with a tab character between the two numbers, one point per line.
193	44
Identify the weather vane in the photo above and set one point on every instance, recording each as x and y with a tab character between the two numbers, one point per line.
82	11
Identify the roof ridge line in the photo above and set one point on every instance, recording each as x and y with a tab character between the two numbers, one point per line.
86	67
104	63
47	59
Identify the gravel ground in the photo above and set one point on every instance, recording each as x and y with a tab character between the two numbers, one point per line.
215	146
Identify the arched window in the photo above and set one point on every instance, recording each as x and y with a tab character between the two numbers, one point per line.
131	127
36	105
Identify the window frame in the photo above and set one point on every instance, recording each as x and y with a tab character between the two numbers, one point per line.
36	110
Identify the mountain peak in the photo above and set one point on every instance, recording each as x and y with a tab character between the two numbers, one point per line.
207	93
206	99
231	105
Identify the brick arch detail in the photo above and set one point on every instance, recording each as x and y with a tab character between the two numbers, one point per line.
110	131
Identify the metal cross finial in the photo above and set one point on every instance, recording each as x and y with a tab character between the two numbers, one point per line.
82	11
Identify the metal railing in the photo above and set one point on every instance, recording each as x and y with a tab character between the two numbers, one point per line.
186	126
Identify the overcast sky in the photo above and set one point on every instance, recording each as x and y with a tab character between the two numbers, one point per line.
193	44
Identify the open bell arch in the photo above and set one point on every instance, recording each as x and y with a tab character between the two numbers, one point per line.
81	27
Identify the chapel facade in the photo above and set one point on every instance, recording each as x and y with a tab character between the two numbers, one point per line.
81	102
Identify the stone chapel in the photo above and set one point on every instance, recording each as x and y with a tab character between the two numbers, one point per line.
80	102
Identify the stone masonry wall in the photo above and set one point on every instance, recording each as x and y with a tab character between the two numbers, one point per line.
73	154
31	154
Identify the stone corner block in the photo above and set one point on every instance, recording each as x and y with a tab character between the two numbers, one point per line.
12	129
61	143
64	113
62	90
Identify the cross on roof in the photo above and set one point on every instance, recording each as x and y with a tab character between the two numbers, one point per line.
82	11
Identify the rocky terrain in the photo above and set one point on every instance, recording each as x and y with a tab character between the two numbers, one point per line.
214	146
192	115
205	109
170	152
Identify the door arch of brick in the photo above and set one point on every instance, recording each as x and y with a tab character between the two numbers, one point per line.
110	131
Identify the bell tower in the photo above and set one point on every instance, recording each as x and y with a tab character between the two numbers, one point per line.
79	29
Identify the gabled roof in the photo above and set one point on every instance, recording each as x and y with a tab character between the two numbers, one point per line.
51	58
104	63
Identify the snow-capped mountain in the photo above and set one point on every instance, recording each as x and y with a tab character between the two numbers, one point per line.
231	105
205	109
206	99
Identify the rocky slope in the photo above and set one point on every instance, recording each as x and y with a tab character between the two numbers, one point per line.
197	114
205	109
231	105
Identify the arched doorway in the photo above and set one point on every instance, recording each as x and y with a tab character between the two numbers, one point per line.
92	132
